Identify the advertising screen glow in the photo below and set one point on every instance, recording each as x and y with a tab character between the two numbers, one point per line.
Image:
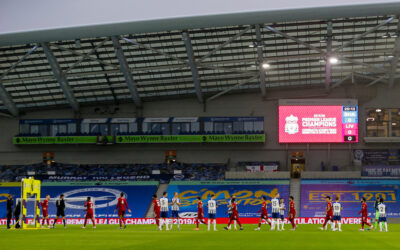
318	124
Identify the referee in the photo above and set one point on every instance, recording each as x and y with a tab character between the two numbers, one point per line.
10	203
60	204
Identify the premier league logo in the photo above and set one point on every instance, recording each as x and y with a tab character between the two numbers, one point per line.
291	126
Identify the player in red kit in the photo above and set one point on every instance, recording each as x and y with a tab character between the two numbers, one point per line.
364	215
200	213
45	205
89	212
234	215
156	211
329	214
264	213
292	213
121	205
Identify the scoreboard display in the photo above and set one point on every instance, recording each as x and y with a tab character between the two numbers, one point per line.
318	123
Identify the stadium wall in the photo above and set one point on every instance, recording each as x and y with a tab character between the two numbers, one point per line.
244	104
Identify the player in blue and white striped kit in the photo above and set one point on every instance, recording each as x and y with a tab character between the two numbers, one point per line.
282	214
212	210
176	203
164	211
230	212
382	215
275	212
337	218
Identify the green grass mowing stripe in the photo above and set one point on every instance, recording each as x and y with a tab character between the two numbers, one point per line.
147	237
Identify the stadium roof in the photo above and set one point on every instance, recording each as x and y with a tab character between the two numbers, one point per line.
203	62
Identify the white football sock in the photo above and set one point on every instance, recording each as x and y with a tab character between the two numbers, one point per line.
209	225
167	223
283	224
161	223
380	226
215	224
177	222
386	226
234	224
340	225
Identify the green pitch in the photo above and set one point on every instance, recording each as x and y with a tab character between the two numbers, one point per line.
146	237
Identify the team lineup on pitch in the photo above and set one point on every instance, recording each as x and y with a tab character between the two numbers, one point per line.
161	209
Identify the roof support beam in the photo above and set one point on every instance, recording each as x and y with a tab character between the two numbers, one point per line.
219	47
376	81
14	65
86	56
395	59
260	56
356	38
61	78
8	102
192	65
373	78
337	84
232	88
311	47
154	50
328	65
4	95
184	62
126	71
369	66
93	58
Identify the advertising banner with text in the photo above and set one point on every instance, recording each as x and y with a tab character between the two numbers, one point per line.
248	195
138	195
314	192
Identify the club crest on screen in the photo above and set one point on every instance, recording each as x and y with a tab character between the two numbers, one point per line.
291	126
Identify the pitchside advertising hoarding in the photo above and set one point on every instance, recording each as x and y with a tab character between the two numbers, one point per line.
105	195
314	193
248	195
318	121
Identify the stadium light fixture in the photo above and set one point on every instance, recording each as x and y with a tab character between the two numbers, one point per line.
333	60
266	65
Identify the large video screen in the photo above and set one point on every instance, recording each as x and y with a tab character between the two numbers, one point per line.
318	124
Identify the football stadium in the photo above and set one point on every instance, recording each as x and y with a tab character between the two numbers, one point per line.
196	125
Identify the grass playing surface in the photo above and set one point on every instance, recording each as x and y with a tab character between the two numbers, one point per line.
147	237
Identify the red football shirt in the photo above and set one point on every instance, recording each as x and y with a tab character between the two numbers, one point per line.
364	210
292	209
264	207
200	207
156	206
234	208
329	210
45	205
89	207
122	204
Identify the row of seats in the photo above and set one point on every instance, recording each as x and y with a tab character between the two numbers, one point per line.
147	133
189	171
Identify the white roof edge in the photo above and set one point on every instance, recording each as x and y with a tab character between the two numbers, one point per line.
182	23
